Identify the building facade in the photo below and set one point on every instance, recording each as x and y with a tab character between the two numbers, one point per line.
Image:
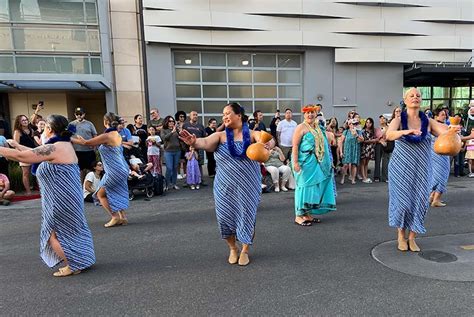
271	55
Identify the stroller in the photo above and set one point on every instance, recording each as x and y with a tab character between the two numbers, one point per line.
144	185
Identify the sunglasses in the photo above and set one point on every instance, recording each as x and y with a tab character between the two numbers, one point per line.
79	114
99	164
181	116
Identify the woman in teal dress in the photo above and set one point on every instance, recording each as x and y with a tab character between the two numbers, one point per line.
312	168
349	150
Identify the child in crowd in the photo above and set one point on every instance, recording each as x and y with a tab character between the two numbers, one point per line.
6	194
470	157
92	180
153	142
137	168
193	175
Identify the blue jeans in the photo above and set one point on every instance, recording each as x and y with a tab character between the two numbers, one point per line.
172	161
459	164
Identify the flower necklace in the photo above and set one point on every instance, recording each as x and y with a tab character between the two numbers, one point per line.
424	127
231	144
318	141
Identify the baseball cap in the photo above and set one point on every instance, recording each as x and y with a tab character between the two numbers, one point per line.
79	110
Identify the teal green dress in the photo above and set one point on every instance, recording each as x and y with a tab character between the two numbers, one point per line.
314	193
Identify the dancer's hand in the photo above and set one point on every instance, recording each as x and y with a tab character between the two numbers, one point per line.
14	144
78	140
296	167
187	137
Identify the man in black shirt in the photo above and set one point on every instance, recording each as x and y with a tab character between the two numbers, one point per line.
196	128
258	124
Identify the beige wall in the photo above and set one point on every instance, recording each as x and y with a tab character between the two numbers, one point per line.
127	60
20	104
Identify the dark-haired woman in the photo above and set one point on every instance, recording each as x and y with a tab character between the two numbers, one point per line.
171	143
65	235
367	151
441	167
410	170
140	130
180	118
24	135
113	189
237	186
211	161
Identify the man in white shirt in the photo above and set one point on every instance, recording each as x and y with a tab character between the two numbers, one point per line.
285	130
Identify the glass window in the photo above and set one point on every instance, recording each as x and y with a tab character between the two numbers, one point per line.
265	92
94	40
441	92
289	61
91	12
289	76
460	92
214	91
240	76
36	11
264	60
440	103
214	106
289	91
45	39
188	91
294	105
425	92
212	59
4	16
6	64
264	76
213	75
185	58
266	106
425	104
96	65
5	39
187	74
189	105
459	106
52	64
239	60
240	91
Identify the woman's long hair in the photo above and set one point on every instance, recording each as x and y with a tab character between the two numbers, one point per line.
17	125
166	122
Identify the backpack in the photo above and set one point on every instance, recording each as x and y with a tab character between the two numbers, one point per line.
159	185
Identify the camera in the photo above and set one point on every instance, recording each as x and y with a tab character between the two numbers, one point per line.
39	104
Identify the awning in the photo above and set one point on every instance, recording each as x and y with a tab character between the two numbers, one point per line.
440	74
18	82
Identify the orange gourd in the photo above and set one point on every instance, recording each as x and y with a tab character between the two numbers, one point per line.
449	143
257	151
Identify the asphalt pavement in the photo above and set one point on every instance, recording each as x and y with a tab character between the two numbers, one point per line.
170	261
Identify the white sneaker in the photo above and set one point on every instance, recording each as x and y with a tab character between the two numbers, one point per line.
192	187
367	181
176	187
180	176
197	187
359	177
277	189
283	188
471	175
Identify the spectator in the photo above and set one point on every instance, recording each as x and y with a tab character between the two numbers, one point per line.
140	130
197	129
349	150
441	166
6	194
459	158
169	136
273	125
155	120
383	150
154	142
3	161
396	113
23	135
470	157
274	165
35	117
285	130
40	139
86	130
211	162
180	118
192	169
138	168
367	149
129	147
258	124
5	126
92	180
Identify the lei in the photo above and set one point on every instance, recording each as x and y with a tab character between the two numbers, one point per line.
318	141
110	130
424	127
231	144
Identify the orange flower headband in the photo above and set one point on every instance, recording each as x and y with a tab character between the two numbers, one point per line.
309	108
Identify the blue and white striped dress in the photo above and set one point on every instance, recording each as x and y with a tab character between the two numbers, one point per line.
409	187
441	167
237	191
63	212
115	177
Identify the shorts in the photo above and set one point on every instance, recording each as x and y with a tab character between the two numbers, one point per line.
85	159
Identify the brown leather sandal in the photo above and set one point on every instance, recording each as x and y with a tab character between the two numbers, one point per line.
65	271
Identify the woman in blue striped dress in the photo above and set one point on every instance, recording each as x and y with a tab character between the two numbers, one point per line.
441	167
65	235
410	170
237	185
112	191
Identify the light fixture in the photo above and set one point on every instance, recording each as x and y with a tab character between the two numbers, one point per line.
389	103
345	98
188	61
319	97
245	62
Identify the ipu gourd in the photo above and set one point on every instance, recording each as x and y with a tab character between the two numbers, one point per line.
449	143
257	151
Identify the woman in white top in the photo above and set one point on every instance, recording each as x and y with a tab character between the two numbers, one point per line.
91	181
154	142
